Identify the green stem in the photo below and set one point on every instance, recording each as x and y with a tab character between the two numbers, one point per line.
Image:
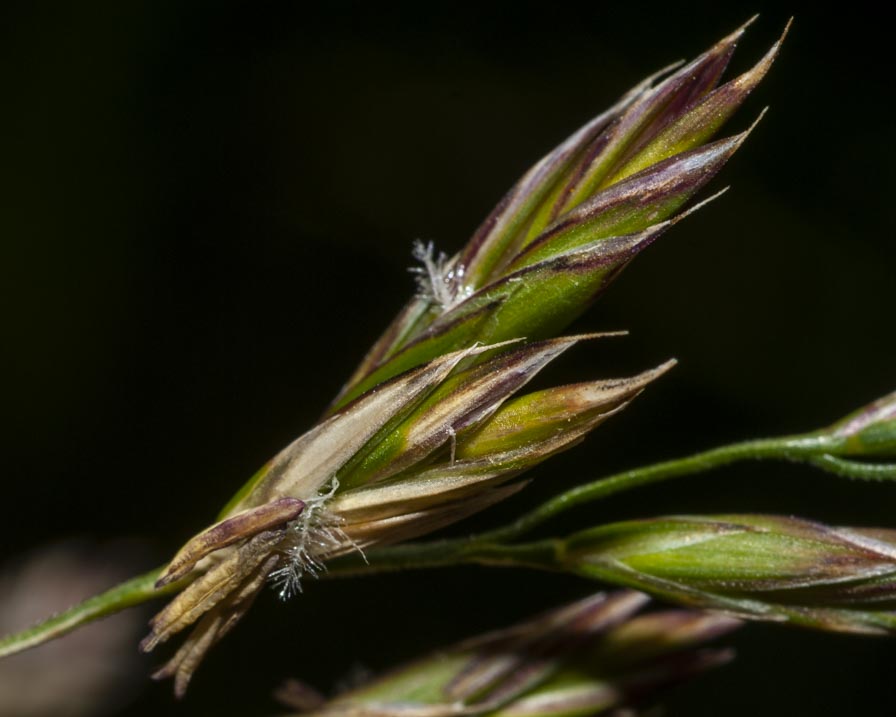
856	470
133	592
543	554
440	553
786	448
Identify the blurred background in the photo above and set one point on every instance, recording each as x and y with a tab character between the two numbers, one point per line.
207	212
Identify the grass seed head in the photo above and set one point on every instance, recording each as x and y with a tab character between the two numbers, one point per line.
429	428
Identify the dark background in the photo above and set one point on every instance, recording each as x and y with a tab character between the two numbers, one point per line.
206	215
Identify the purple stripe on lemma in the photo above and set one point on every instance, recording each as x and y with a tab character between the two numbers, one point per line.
646	118
385	345
535	184
681	175
376	375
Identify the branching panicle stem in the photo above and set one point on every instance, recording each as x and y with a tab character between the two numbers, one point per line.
490	547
